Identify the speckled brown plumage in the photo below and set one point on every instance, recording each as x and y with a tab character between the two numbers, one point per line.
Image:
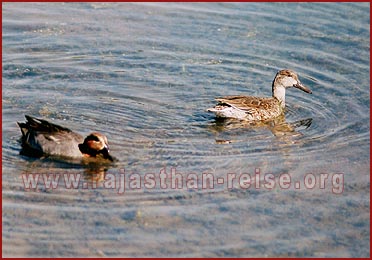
254	108
259	108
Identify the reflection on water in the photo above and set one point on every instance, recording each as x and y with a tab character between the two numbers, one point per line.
144	74
279	127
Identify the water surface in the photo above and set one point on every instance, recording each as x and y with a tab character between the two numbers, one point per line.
144	74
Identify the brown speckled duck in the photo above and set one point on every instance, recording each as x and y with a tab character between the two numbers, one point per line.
259	108
42	138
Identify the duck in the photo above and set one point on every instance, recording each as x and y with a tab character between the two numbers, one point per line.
40	138
253	109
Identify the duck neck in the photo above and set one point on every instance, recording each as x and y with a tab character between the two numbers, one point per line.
279	94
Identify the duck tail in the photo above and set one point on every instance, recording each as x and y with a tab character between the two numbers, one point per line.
24	128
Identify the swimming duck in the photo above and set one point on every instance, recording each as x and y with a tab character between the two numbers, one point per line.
42	138
259	108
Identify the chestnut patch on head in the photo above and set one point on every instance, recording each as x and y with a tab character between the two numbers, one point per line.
94	142
94	145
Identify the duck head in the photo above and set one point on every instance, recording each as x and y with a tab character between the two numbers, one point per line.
286	79
94	145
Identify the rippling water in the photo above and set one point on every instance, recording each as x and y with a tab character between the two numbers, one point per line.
144	74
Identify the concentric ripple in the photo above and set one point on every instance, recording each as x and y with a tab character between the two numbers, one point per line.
144	74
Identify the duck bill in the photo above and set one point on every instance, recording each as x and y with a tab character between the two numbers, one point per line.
302	87
106	155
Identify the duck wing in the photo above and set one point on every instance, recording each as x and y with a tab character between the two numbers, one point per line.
248	104
42	126
42	137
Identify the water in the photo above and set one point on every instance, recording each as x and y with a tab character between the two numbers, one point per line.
144	74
